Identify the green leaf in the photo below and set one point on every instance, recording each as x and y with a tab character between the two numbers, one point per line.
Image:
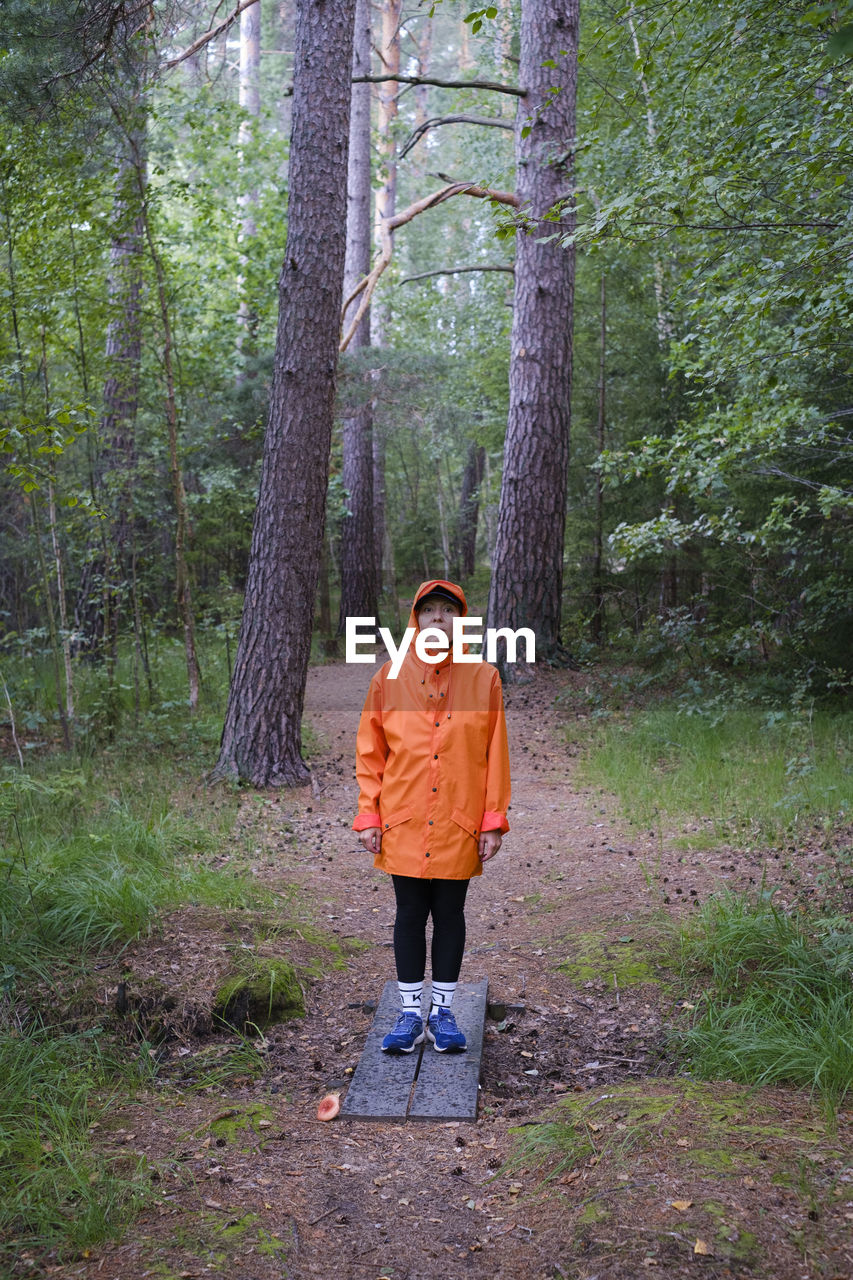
840	45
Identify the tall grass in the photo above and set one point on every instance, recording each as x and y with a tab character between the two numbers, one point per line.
95	846
744	771
778	1007
55	1191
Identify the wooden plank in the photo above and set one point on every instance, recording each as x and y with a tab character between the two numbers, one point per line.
382	1082
447	1087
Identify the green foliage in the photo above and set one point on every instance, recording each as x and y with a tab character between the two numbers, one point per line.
779	1005
721	771
713	160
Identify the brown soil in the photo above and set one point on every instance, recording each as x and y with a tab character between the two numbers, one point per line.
660	1175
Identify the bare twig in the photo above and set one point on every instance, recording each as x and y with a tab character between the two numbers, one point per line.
492	85
457	271
209	35
493	122
367	285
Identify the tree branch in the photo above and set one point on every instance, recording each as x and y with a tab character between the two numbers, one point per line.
366	286
492	85
456	271
494	122
209	35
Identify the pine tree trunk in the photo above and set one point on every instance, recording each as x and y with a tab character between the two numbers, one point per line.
261	739
528	571
469	508
359	588
250	102
386	207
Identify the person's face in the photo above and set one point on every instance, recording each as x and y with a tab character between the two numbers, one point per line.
437	612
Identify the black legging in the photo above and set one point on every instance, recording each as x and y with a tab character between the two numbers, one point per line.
416	900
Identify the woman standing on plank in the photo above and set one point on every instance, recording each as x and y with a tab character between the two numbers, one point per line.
433	770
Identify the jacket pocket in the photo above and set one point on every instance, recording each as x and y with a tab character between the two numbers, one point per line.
394	819
467	824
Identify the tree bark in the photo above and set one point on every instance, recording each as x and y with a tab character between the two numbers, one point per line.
597	621
261	738
359	590
250	102
527	578
469	507
386	207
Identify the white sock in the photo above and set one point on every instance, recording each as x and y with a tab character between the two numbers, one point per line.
411	994
442	995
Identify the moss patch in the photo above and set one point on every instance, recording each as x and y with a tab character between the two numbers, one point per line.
266	993
621	951
237	1123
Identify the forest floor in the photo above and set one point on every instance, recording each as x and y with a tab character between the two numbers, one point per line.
657	1174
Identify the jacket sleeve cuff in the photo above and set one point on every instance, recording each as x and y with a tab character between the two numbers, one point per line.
366	820
493	821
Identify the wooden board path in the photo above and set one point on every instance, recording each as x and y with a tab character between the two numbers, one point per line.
422	1085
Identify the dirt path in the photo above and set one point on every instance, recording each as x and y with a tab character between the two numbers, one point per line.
662	1175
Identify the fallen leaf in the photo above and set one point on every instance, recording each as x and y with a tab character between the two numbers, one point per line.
702	1247
213	1204
683	1142
265	1124
570	1177
681	1205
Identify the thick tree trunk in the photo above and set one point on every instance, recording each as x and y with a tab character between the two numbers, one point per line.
250	102
528	570
469	508
386	207
359	589
261	739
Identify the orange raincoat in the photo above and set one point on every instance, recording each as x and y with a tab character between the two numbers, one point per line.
432	761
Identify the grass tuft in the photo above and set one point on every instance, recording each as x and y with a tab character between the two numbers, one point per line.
779	1005
55	1191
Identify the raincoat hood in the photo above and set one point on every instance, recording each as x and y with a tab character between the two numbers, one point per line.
427	589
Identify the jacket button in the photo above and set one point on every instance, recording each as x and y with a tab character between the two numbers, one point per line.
430	822
441	695
475	831
436	724
435	757
386	824
427	855
435	788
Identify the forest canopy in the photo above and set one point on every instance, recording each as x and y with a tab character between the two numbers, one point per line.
703	202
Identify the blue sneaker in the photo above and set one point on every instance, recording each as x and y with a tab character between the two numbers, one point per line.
408	1032
444	1033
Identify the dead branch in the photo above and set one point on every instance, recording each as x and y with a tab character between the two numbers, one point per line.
366	286
209	35
492	85
457	271
495	122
